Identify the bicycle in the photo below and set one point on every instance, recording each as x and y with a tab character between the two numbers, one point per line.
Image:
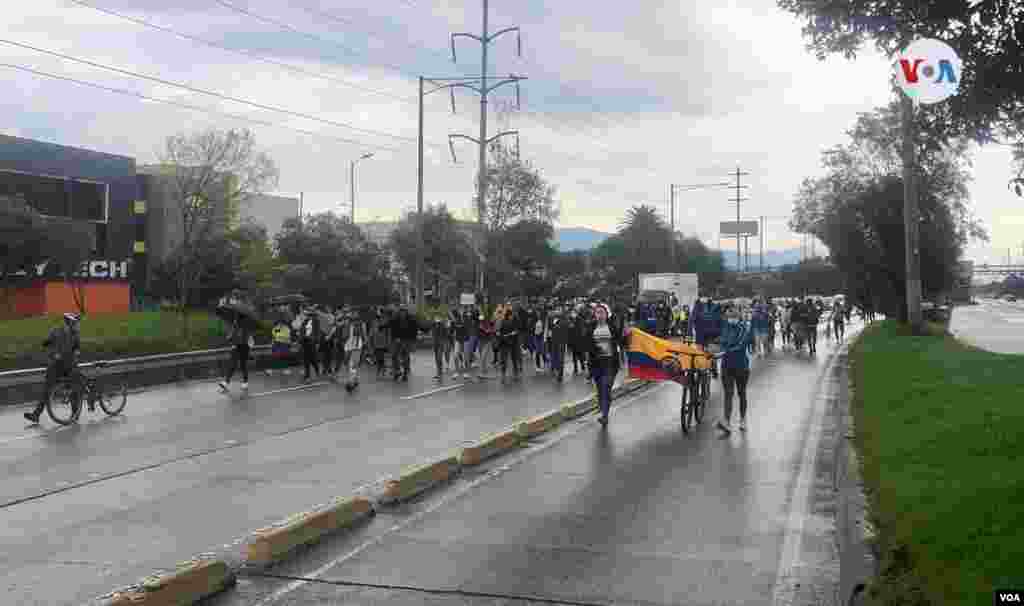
696	384
65	401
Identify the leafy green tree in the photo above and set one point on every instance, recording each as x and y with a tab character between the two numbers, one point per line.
447	255
343	266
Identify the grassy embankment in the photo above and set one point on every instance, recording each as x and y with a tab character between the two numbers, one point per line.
940	429
113	336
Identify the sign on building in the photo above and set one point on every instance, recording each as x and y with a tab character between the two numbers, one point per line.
467	298
94	269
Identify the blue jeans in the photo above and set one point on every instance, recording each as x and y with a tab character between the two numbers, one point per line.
557	358
604	376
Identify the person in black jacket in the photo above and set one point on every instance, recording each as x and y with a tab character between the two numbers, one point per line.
578	338
404	329
604	347
508	344
310	334
558	338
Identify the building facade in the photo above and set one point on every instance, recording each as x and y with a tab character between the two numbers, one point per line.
92	189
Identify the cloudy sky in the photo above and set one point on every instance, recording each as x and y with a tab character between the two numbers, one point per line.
620	101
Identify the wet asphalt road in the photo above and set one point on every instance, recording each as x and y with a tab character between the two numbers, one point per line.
993	325
637	513
187	470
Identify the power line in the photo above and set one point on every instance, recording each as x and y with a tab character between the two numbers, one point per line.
295	30
339	19
197	108
251	55
212	93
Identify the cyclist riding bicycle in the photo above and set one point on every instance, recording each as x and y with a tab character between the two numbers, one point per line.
64	347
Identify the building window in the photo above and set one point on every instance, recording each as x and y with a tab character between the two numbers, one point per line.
88	201
48	195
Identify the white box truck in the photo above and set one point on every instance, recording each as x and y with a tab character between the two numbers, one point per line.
683	286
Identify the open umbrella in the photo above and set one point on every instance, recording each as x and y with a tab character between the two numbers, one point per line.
243	312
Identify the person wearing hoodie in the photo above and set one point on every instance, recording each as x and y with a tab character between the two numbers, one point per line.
558	339
736	337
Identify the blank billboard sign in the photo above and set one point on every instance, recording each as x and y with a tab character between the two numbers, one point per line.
742	228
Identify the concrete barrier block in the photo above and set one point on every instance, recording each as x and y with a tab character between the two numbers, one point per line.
540	423
489	446
572	410
270	545
420	478
191	582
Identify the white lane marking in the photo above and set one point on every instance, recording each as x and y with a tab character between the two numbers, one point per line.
784	591
433	391
319	572
286	389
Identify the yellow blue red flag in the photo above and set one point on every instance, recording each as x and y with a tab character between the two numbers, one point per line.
651	358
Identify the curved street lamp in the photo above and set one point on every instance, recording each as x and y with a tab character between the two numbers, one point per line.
352	183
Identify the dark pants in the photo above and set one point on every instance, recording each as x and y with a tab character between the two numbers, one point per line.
327	355
735	380
604	378
54	372
239	358
511	351
557	352
579	360
400	358
439	351
309	359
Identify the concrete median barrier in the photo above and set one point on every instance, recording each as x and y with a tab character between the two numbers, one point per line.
420	478
572	410
491	445
271	545
539	424
192	582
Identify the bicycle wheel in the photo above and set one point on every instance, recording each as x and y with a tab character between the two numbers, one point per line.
113	397
685	408
704	396
64	404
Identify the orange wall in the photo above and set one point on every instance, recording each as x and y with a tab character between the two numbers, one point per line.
57	297
100	297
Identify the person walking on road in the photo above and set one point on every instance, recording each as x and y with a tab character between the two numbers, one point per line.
557	342
380	340
759	322
736	336
486	344
508	338
353	337
578	340
440	337
310	332
404	329
604	346
281	346
838	325
64	347
472	321
813	315
537	342
241	341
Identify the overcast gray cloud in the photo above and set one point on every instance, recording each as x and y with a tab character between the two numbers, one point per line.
622	99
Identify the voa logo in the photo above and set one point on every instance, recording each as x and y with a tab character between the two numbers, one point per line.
1008	597
928	71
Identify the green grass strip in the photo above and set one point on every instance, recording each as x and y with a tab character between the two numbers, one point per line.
940	427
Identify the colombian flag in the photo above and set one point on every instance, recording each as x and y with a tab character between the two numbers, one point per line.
650	357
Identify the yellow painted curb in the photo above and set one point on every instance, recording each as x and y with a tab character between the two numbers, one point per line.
192	582
571	410
489	446
272	544
540	423
420	478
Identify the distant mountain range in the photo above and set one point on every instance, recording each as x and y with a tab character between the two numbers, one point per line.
568	239
583	238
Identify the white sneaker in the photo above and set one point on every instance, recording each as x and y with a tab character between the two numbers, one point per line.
743	424
223	386
724	426
287	373
245	386
268	372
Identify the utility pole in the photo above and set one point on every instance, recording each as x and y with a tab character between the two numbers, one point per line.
737	200
485	38
910	220
763	223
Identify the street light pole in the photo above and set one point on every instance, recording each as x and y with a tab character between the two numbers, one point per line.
352	183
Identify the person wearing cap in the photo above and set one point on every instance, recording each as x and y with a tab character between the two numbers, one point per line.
63	346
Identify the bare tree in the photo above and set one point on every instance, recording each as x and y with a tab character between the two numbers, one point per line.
211	174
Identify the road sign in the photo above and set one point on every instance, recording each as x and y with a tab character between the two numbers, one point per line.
741	228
